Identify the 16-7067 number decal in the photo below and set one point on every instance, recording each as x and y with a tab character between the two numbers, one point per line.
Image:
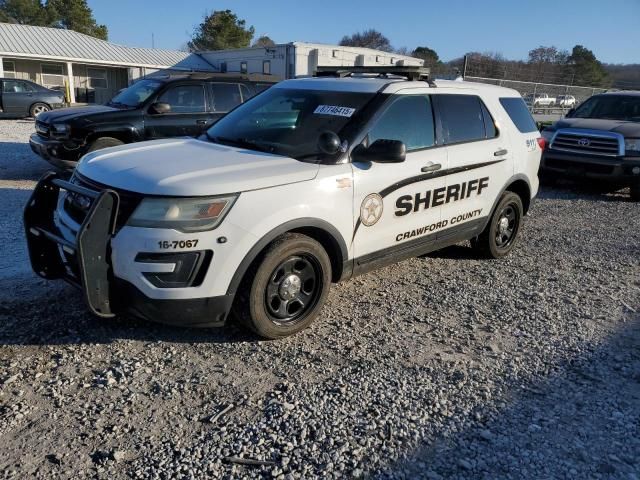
174	244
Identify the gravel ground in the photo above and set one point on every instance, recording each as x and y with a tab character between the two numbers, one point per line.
438	367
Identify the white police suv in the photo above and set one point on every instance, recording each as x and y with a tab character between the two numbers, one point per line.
311	182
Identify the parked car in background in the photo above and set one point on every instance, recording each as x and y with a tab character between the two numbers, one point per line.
22	98
566	101
598	142
536	100
155	107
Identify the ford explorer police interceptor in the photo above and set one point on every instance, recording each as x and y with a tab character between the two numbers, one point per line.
310	182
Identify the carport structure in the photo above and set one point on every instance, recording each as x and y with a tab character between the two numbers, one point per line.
90	70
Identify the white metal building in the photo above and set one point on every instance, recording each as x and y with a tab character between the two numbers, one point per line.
91	70
300	59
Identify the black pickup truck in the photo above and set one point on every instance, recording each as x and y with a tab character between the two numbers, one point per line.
598	142
151	108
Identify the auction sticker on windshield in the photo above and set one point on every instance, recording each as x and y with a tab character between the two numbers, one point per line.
334	110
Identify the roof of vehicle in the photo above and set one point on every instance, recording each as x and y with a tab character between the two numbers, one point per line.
368	84
631	93
236	76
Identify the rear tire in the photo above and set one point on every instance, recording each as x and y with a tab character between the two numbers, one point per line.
285	288
104	142
634	192
501	234
38	108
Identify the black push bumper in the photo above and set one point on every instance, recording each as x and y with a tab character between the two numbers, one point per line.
54	152
82	261
85	260
623	171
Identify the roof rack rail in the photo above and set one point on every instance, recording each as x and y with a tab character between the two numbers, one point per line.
410	72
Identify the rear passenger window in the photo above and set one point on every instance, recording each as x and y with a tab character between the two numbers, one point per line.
462	118
226	96
408	119
519	114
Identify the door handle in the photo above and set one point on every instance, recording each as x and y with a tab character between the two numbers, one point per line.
201	122
499	153
431	167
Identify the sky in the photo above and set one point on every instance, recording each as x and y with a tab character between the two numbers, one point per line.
451	27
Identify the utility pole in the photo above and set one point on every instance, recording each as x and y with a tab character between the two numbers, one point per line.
153	41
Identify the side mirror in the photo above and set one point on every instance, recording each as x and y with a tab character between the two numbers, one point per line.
380	151
329	143
159	108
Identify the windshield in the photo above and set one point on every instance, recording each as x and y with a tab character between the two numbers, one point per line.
136	94
614	107
288	122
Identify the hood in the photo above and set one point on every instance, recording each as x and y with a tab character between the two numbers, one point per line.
628	129
64	114
190	167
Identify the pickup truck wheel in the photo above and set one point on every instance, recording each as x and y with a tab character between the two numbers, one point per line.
283	292
501	234
634	191
104	142
38	108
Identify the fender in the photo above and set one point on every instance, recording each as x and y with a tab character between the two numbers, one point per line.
284	228
117	130
519	176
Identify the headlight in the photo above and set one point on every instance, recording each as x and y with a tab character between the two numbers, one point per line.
547	135
60	129
632	146
183	214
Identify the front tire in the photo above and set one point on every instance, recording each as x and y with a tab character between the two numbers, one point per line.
501	234
38	108
285	288
104	142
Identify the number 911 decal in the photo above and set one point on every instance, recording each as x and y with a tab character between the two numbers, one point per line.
175	244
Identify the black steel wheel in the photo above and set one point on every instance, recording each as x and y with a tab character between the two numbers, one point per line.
285	287
293	288
507	226
501	233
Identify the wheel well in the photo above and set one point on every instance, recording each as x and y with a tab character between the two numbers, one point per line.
116	135
521	188
330	245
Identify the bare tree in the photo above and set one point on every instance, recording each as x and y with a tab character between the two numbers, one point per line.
369	39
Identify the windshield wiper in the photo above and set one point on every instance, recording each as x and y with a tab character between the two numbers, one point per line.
242	143
118	104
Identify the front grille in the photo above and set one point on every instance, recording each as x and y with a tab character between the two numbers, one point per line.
586	143
77	206
42	129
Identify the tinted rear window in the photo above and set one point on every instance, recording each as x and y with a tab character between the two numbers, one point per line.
519	114
461	118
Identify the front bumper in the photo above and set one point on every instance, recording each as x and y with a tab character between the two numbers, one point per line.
85	260
54	152
623	171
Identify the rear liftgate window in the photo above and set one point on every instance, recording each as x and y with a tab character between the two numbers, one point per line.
519	114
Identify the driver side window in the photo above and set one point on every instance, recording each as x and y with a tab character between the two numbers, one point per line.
408	119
